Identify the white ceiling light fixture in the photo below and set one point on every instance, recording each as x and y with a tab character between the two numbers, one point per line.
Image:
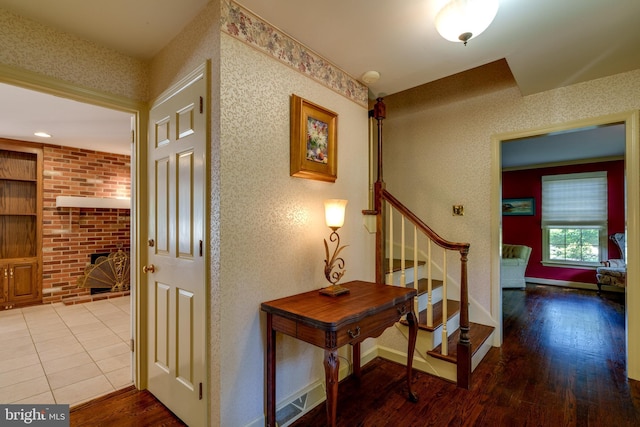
462	20
42	134
370	77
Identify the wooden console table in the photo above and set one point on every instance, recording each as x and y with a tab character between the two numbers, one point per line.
331	322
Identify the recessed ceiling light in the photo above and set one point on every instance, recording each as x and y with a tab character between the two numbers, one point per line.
42	134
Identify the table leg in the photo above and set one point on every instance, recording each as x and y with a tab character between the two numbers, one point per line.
413	335
356	360
271	372
331	369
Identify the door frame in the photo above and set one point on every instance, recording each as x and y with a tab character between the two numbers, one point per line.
34	81
631	119
202	71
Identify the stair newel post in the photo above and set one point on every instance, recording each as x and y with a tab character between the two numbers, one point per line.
464	344
379	114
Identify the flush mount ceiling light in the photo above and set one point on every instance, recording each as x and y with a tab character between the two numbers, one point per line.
370	77
462	20
42	134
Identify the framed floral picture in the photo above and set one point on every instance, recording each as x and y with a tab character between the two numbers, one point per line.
314	142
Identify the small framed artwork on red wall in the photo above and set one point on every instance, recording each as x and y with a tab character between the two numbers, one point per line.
523	206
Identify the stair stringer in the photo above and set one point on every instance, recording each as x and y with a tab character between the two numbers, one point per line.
482	351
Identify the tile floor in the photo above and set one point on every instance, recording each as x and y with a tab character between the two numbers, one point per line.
64	354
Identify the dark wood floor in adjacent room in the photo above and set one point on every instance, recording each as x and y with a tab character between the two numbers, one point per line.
562	364
124	408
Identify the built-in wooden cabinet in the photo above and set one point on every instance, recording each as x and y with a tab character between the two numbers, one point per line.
20	223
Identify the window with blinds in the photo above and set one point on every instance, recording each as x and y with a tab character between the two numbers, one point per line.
574	218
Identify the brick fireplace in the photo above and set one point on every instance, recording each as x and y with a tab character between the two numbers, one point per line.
70	234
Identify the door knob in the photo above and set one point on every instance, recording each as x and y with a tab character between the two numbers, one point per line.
149	268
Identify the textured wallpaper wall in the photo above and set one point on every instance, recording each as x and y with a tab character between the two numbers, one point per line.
199	41
439	142
266	228
31	46
272	225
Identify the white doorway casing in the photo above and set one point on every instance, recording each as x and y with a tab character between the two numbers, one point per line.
632	179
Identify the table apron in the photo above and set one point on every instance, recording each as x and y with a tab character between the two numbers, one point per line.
371	325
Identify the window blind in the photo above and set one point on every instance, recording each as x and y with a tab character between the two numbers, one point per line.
574	199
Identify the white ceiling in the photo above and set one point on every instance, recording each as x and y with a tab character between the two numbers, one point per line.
547	44
588	143
70	123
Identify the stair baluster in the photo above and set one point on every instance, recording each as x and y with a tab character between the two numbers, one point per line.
445	314
403	277
390	273
417	307
429	287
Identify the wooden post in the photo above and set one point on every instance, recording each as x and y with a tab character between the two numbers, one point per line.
464	344
380	234
379	113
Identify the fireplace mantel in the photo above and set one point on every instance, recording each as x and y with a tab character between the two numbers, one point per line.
93	202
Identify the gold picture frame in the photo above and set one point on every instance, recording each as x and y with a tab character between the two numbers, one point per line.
314	141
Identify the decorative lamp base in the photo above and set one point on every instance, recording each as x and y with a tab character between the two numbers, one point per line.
334	290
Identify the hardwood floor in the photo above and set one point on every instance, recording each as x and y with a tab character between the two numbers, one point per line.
124	408
562	364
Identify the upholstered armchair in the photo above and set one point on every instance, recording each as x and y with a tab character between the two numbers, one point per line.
613	272
513	265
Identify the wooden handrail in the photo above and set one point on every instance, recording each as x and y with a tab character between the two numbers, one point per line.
380	196
445	244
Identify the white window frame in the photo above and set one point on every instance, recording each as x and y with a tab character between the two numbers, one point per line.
572	223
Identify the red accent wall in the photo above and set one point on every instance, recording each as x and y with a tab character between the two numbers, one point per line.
526	230
71	235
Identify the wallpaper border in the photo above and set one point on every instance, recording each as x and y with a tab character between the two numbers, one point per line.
245	26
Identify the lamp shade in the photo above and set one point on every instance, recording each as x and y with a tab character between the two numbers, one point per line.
462	20
334	212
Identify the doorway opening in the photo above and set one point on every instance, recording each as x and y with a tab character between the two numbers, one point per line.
631	209
70	353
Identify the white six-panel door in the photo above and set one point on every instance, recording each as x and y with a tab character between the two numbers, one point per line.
175	271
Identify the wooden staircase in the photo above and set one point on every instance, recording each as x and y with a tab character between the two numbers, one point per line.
449	344
429	337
